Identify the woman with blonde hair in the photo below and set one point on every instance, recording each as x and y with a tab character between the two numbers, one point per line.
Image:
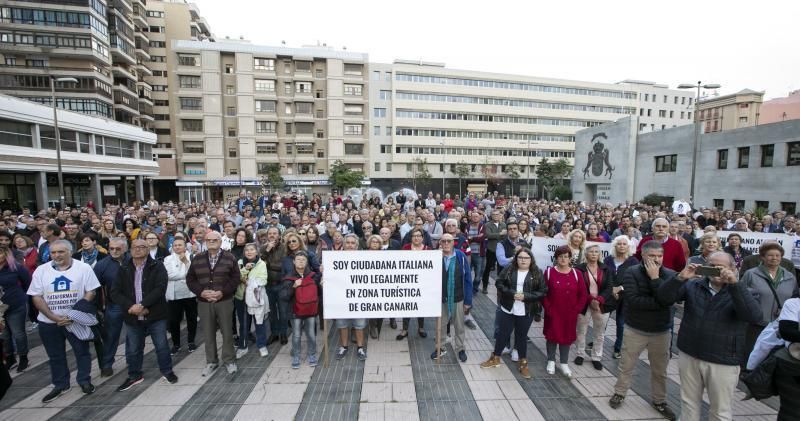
709	243
576	241
107	232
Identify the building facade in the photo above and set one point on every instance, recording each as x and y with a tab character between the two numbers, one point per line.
103	161
729	112
242	111
781	109
745	168
661	108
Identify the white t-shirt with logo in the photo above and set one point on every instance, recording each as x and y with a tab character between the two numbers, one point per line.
62	289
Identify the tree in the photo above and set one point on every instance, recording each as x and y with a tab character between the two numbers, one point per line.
462	171
489	172
552	174
343	177
420	171
513	170
271	177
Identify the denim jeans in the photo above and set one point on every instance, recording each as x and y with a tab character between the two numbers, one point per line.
278	315
134	346
244	326
53	339
620	319
14	335
518	324
113	328
476	264
307	326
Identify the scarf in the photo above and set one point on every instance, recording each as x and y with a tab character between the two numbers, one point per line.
89	258
778	275
451	285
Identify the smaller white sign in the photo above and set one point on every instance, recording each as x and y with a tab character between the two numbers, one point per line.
109	190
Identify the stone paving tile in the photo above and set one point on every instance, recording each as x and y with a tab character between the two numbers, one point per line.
149	413
485	390
496	410
448	410
634	408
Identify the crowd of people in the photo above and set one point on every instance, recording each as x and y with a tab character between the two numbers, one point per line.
249	268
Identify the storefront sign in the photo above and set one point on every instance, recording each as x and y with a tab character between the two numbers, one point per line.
74	180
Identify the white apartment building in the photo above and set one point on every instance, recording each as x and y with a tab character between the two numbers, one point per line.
239	109
661	108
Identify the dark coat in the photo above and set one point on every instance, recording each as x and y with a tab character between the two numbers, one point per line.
154	288
604	291
643	311
713	326
534	288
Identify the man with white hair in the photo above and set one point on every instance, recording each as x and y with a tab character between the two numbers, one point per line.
674	258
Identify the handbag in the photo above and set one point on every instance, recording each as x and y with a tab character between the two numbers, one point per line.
760	382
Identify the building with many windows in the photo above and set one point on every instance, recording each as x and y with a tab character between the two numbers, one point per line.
494	128
661	108
243	110
99	157
728	112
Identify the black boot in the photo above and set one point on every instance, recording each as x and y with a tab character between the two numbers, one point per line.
284	339
23	363
11	362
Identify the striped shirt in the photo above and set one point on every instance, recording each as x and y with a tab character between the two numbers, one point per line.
137	285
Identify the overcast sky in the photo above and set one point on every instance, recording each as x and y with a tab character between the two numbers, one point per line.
738	44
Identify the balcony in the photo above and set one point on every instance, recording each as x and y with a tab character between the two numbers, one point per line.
122	70
56	71
122	50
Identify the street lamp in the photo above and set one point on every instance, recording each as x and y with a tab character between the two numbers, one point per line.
696	142
53	81
444	167
528	170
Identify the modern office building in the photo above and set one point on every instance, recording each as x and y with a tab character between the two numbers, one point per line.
744	168
102	160
240	109
445	119
728	112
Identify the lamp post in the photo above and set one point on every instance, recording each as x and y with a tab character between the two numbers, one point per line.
528	170
695	145
444	167
53	81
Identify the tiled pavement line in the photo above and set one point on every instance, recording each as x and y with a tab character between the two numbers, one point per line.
334	393
555	397
106	401
221	395
387	388
37	384
161	400
441	388
279	391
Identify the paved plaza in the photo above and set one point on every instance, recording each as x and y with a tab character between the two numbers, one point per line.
398	381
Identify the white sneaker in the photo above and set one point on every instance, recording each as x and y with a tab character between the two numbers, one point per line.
210	369
231	368
241	353
263	351
566	371
506	351
514	355
551	367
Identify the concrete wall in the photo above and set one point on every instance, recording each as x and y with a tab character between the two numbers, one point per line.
595	181
676	141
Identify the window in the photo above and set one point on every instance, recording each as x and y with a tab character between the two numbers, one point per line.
793	153
303	107
320	153
376	75
762	204
229	69
305	168
376	130
388	77
738	204
233	171
289	149
353	69
264	167
672	114
263	106
287	108
386	148
385	95
389	167
157	44
304	148
722	159
320	134
647	97
354	109
16	133
354	129
191	103
288	128
388	130
264	64
189	81
304	128
230	90
287	88
302	87
649	112
354	90
767	155
666	163
353	149
188	60
379	112
287	66
789	207
192	125
263	127
230	111
302	66
745	105
232	153
744	157
190	168
719	203
377	166
662	113
742	120
266	148
264	85
231	132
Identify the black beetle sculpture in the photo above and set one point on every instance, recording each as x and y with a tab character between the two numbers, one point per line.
598	158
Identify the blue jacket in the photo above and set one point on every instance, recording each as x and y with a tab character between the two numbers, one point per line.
466	274
107	271
13	283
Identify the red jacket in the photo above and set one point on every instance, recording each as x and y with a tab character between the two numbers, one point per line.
674	258
566	297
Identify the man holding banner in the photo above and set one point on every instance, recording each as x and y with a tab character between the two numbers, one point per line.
456	293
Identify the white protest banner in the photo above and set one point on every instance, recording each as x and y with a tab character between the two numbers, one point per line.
544	250
366	284
753	240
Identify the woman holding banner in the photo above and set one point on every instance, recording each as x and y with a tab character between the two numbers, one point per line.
416	243
617	264
734	248
566	298
520	290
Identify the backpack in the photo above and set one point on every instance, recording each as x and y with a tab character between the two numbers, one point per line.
306	298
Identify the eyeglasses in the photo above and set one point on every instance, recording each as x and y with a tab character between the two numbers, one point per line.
301	232
152	238
213	240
